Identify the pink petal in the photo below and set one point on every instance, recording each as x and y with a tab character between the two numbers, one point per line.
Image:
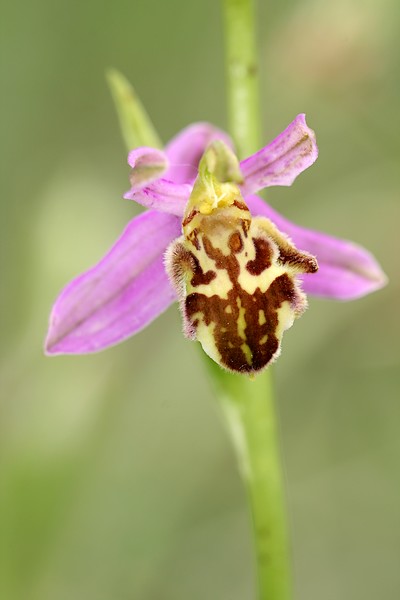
162	195
279	163
122	294
346	270
185	150
148	164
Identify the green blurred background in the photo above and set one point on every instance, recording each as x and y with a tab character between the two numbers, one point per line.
117	480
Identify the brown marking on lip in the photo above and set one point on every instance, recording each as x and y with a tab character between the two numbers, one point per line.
245	225
189	217
199	277
229	263
235	242
240	205
193	238
262	259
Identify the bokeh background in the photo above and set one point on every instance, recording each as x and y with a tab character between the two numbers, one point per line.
117	480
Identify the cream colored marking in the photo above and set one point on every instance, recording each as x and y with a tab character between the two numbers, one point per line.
220	286
241	320
228	309
261	317
247	353
251	282
205	335
220	239
285	319
264	339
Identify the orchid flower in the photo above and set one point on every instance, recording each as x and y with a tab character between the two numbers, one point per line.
134	282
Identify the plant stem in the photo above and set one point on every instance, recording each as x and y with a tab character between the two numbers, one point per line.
242	75
249	413
248	405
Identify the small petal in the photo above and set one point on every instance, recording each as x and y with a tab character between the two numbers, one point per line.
346	270
186	149
148	164
122	294
279	163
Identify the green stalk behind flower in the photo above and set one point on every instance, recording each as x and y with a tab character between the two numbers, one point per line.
248	405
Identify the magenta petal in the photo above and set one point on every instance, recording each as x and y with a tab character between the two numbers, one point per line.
185	150
279	163
122	294
346	270
162	195
147	165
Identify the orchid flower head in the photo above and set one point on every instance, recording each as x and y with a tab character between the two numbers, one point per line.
199	201
235	275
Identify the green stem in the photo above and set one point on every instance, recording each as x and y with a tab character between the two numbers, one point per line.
248	405
249	411
242	75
